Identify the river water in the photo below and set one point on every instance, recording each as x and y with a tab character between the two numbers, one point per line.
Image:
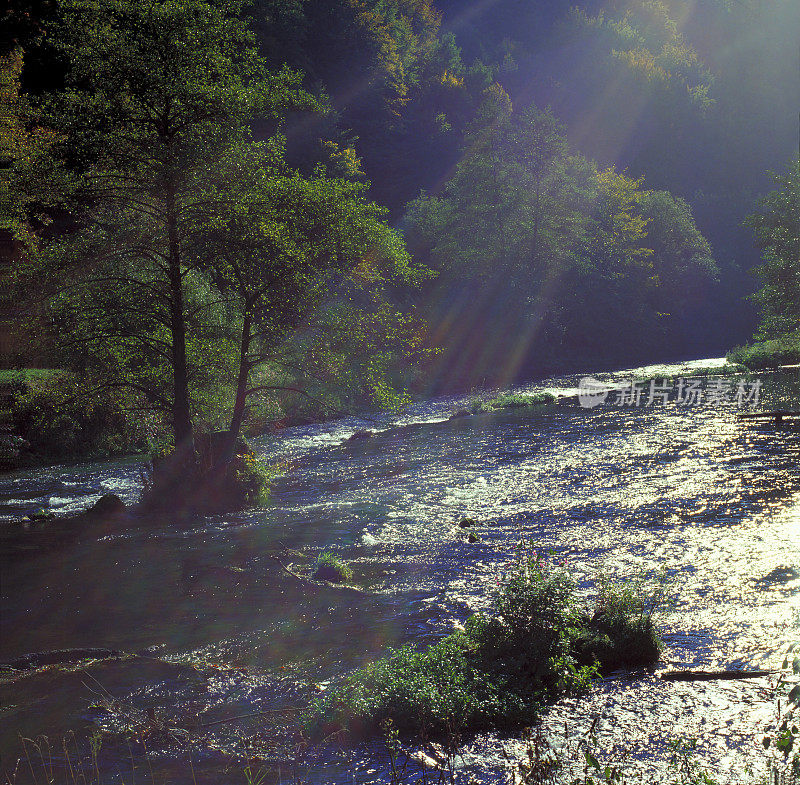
213	628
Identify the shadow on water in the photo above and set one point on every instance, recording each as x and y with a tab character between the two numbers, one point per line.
211	626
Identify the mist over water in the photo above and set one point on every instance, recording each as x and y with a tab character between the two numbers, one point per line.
221	630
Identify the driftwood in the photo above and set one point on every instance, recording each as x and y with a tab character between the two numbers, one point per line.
712	675
40	659
313	585
778	416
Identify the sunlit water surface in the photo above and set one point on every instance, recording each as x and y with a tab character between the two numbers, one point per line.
217	629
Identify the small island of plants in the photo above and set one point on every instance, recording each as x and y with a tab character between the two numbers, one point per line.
501	669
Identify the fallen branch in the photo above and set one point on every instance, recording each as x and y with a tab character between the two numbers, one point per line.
712	675
288	709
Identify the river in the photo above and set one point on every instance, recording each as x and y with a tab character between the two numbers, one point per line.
213	627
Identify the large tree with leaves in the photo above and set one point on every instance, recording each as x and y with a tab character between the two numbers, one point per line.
776	224
301	263
156	93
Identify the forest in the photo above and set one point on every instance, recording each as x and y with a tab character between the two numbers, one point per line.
301	208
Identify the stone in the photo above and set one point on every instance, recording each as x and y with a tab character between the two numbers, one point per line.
107	505
328	572
361	434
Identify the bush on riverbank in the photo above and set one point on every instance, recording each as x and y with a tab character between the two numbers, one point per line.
768	354
512	401
54	413
501	669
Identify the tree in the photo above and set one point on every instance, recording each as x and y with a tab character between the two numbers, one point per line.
302	262
156	94
556	256
776	225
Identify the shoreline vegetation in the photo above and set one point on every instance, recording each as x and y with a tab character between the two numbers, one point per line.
500	670
49	421
768	354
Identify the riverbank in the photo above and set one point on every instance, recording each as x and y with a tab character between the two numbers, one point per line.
47	419
771	354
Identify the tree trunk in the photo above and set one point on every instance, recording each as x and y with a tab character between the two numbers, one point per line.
241	389
181	412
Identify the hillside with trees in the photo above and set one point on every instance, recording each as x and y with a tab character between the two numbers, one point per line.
336	202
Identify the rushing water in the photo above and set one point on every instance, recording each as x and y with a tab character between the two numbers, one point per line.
215	628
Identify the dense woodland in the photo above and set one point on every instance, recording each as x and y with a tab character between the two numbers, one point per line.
218	207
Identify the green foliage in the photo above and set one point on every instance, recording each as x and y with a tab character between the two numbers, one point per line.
191	254
771	353
331	568
154	98
498	671
59	420
621	632
786	737
558	257
248	479
512	401
684	763
776	225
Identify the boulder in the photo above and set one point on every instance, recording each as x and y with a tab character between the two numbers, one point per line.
107	505
460	413
41	515
466	523
328	572
361	434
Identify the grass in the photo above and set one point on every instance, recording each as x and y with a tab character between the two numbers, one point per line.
714	371
511	401
771	353
250	479
28	375
621	632
502	668
331	568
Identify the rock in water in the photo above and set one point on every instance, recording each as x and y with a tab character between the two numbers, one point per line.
107	505
328	572
460	413
465	523
362	434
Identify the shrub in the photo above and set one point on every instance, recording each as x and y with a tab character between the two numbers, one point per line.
768	354
248	479
621	632
497	672
330	568
511	401
59	419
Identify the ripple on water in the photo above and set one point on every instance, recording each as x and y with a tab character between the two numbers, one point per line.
689	489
